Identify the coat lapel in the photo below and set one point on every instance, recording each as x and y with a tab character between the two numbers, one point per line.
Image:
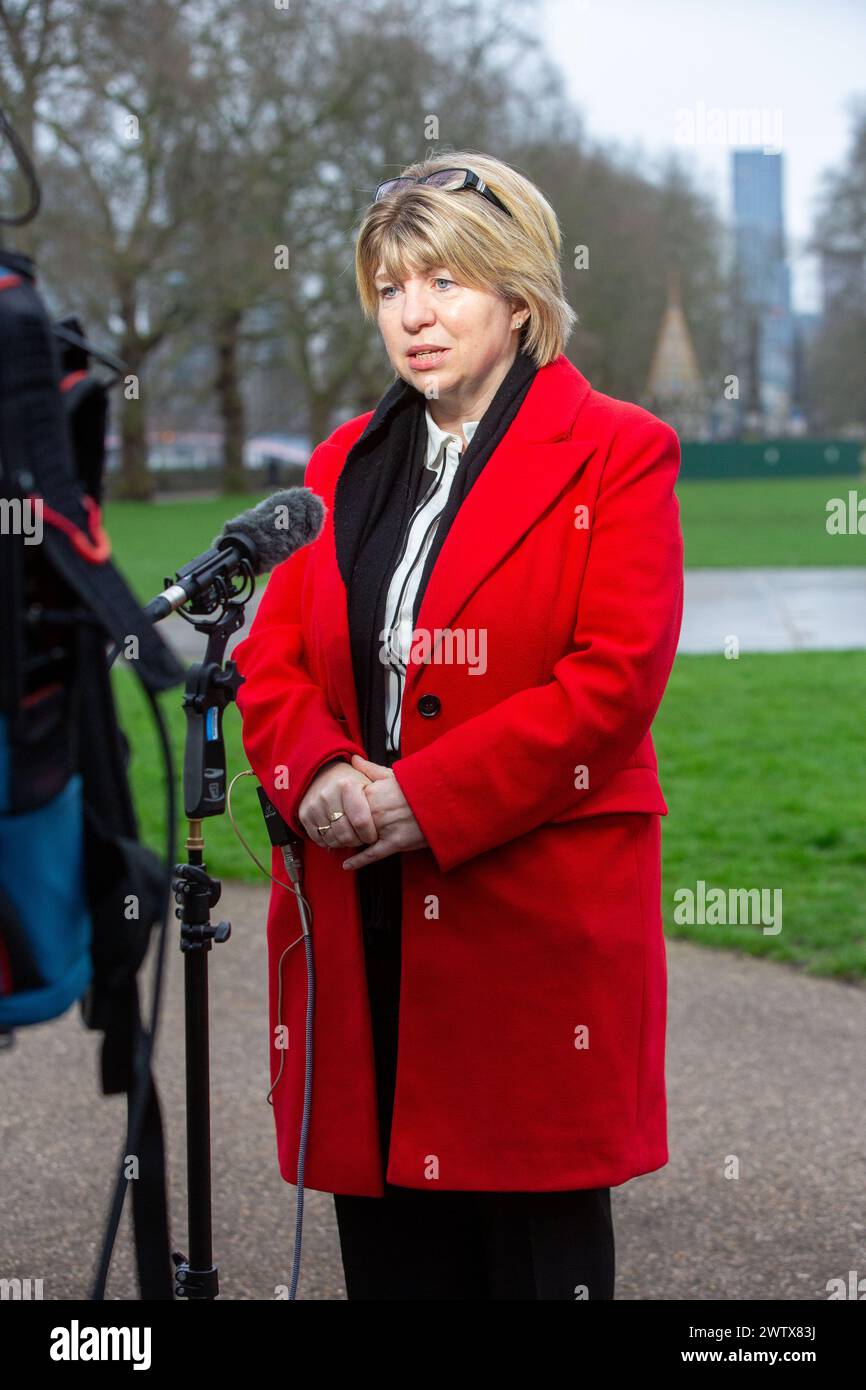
532	464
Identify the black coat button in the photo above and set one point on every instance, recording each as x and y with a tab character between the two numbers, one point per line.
429	706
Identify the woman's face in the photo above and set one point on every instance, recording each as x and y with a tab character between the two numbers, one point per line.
474	327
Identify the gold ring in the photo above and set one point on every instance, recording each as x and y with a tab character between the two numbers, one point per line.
323	829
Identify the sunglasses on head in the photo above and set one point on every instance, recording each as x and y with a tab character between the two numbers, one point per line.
452	179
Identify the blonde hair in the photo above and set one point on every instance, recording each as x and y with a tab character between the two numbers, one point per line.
421	226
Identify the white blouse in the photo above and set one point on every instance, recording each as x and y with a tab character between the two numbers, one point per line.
443	456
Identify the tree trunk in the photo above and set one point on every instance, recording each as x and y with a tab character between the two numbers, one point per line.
136	481
231	404
319	417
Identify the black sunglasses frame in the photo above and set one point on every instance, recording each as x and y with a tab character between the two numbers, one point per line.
470	180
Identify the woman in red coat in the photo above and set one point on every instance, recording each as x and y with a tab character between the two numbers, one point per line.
448	696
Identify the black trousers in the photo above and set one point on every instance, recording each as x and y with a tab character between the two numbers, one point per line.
414	1244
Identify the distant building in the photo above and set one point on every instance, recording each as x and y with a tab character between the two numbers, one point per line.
764	325
674	390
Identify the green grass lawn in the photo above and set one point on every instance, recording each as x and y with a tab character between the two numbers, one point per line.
763	769
763	766
747	522
756	522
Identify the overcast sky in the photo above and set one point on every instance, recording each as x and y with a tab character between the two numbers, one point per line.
635	66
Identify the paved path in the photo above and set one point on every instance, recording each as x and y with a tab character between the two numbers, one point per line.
774	610
763	1062
768	610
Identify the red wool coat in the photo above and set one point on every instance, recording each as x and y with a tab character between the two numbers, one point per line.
533	987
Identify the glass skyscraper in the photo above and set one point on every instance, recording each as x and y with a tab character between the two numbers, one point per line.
764	322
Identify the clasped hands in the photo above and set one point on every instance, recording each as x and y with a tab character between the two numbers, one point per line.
375	811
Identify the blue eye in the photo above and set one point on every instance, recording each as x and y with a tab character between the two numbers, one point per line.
384	288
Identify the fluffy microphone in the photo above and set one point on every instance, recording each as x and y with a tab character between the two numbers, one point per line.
264	536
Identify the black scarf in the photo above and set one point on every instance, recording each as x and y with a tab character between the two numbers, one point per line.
378	488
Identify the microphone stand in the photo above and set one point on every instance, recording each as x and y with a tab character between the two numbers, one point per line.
209	688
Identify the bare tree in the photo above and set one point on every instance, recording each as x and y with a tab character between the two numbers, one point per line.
836	370
205	167
120	177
